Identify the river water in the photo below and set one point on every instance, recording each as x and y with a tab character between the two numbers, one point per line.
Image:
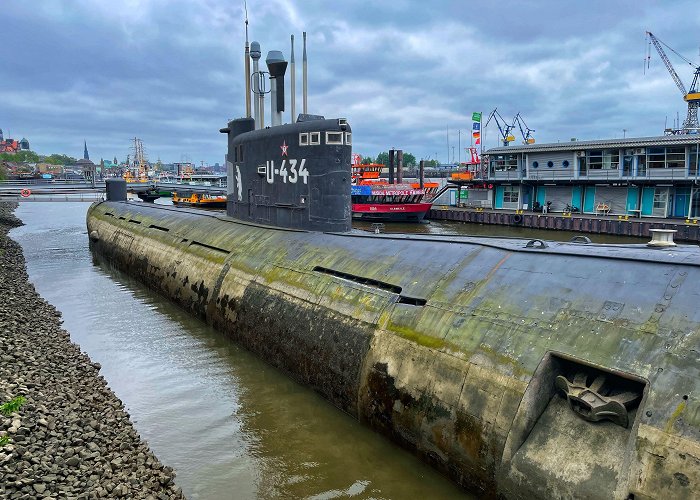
230	425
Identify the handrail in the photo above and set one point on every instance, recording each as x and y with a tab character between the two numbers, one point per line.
543	174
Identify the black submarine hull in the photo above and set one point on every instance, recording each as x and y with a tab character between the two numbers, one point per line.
456	348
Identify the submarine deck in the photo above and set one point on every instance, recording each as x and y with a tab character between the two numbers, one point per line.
680	254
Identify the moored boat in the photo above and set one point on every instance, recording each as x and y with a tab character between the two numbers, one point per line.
199	200
378	200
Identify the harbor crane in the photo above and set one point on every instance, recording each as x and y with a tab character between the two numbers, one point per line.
692	96
525	131
503	127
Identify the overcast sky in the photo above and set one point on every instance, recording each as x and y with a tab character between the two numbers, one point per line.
402	72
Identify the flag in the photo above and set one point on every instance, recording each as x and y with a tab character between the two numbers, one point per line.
476	117
476	135
478	141
476	126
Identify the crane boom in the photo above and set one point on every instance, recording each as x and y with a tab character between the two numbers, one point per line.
503	126
525	131
690	125
667	62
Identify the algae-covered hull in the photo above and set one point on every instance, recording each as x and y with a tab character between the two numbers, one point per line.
542	371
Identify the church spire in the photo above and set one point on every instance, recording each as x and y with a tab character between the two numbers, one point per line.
86	156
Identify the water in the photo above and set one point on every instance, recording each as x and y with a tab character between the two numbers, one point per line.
445	228
230	425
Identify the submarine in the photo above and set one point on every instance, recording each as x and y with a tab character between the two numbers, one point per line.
519	368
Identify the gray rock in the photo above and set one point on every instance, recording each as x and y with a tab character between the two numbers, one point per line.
73	437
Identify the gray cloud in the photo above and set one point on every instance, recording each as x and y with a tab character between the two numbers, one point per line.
402	72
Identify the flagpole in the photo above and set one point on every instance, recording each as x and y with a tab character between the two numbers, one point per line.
481	143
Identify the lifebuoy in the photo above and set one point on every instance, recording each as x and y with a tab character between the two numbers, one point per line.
25	193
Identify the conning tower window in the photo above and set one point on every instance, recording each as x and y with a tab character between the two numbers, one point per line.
334	138
304	139
314	138
348	138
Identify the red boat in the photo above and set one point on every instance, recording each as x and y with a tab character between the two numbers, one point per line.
377	200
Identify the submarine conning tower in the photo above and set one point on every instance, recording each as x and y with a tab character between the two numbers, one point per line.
293	176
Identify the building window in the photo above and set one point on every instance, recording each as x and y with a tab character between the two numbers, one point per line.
603	159
656	157
675	157
511	194
550	164
304	139
314	138
671	157
348	138
535	164
611	159
502	163
565	164
334	138
693	160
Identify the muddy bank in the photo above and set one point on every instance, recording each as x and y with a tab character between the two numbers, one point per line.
72	437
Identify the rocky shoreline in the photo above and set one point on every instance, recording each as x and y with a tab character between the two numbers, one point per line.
72	437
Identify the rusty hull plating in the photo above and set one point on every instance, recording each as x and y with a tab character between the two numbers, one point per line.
453	347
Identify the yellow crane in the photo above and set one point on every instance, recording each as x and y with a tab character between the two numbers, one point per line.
692	96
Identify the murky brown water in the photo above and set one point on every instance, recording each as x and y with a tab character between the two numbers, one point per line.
230	425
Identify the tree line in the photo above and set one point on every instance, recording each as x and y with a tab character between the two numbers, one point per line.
32	157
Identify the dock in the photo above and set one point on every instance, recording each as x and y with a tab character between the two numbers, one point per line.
688	230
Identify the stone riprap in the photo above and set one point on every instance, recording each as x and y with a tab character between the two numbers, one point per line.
72	438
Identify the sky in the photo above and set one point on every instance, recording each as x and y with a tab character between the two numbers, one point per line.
406	74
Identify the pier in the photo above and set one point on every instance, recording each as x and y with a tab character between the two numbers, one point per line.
688	230
61	190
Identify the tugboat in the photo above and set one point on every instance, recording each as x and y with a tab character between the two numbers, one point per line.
381	201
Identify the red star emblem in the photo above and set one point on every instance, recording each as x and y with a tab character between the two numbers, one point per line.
284	148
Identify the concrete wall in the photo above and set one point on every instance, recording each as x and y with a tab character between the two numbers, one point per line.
451	348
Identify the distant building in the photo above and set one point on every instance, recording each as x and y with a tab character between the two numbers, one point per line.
49	168
11	145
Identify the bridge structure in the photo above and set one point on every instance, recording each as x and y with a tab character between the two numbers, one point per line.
44	190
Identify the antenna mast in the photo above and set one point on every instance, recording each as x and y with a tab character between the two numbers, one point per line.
304	77
294	83
247	65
